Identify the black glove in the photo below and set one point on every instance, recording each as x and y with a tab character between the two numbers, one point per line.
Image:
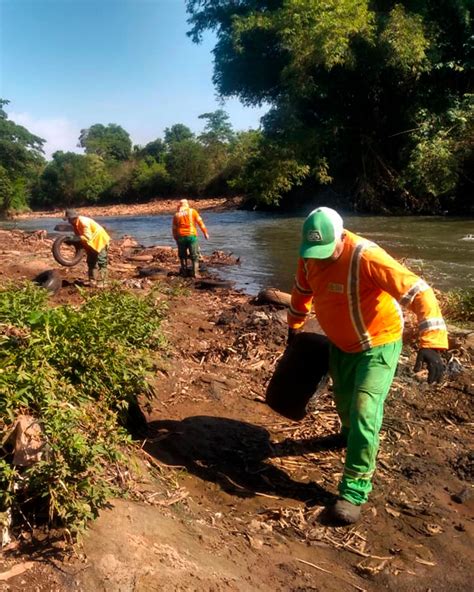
434	363
291	335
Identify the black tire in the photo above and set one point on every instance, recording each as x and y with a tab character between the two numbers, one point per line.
151	271
49	280
304	364
63	228
208	284
57	245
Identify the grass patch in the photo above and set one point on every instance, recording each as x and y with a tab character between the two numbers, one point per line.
75	371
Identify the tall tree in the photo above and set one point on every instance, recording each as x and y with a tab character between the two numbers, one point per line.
73	179
188	166
156	149
21	156
349	83
218	129
109	142
177	133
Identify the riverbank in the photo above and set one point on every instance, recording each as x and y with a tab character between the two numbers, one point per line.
151	208
239	501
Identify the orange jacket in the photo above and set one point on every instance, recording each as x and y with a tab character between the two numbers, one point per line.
357	298
92	234
185	221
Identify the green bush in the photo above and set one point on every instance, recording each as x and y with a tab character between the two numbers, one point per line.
75	371
458	306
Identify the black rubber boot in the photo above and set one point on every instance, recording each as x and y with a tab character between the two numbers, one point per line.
343	512
92	275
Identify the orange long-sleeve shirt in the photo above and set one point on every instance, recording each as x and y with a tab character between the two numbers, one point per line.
357	298
185	222
92	234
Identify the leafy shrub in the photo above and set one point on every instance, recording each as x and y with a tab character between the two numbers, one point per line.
458	306
75	371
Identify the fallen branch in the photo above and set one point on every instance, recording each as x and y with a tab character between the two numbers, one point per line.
332	574
16	570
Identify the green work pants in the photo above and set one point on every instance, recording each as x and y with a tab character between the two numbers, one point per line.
361	384
188	248
97	260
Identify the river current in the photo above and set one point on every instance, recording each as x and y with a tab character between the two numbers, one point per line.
441	249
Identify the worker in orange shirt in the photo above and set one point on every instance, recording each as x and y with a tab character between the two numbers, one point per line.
185	223
95	241
357	289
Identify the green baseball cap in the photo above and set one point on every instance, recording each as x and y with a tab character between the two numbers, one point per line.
321	230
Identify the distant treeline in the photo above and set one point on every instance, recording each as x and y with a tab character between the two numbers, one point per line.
370	106
111	170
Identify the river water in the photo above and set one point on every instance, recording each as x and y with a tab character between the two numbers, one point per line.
439	248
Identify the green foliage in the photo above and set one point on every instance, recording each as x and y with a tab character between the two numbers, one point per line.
270	173
217	130
122	173
20	155
188	166
370	96
149	179
243	147
18	146
177	133
108	172
346	81
109	142
405	38
442	149
313	33
458	306
72	178
6	188
75	371
155	149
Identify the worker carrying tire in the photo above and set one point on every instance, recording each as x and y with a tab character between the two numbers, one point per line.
95	241
185	223
357	289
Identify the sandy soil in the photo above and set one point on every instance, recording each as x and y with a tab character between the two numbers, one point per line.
151	208
232	496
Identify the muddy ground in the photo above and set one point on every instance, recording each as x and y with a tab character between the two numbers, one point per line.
232	496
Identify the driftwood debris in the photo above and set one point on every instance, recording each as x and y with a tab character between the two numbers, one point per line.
273	296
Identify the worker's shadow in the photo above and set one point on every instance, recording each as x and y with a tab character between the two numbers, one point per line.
230	453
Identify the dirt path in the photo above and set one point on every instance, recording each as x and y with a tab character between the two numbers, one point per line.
233	495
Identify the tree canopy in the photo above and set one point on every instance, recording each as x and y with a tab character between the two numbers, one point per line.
110	142
181	163
21	154
373	97
177	133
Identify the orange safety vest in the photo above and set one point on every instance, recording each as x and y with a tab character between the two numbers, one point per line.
185	221
357	298
91	233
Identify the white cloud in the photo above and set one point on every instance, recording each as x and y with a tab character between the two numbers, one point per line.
60	133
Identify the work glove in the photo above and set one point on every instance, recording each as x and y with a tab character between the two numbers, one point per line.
433	361
291	335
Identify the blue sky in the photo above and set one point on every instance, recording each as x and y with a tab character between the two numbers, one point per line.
67	64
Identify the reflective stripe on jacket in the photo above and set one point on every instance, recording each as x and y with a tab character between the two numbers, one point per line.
357	298
185	221
91	233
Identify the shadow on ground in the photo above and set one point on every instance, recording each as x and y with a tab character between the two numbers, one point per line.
230	453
